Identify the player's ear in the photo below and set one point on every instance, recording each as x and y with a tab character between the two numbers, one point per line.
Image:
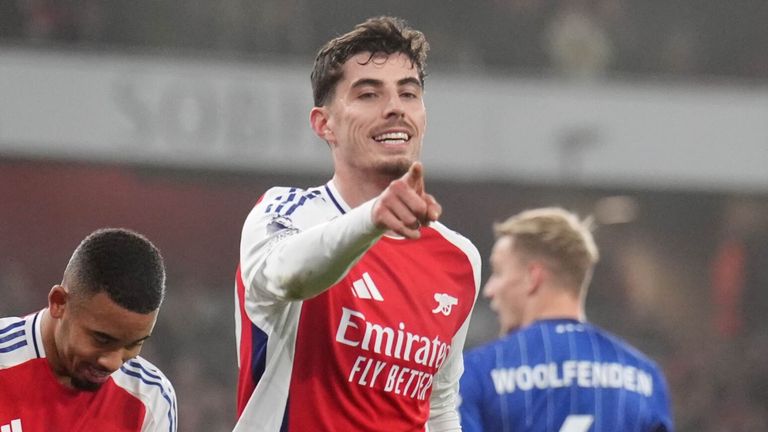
535	276
318	119
57	301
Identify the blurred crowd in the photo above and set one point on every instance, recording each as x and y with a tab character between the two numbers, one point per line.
699	39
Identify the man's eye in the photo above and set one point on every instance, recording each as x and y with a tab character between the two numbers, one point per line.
367	95
135	345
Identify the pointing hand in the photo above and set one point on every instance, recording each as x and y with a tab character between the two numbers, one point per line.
403	207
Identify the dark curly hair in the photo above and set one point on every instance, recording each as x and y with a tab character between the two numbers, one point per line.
380	35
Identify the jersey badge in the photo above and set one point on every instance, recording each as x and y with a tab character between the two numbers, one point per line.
445	303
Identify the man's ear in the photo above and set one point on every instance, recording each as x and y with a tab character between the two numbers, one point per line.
318	119
58	298
536	275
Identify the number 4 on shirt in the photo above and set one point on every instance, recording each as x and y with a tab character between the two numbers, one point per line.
577	423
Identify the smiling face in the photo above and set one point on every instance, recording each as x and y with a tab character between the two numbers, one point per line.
375	120
93	337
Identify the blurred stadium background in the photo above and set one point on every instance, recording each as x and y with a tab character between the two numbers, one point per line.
172	117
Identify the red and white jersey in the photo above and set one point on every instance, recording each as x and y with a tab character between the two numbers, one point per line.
380	350
136	398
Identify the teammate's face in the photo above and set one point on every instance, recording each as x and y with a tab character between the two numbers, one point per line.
376	120
508	287
94	337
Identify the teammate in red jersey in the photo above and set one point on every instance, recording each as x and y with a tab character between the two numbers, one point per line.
354	300
74	366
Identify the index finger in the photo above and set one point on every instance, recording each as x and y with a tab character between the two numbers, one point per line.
415	177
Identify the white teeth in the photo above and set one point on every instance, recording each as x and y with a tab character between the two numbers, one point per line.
392	136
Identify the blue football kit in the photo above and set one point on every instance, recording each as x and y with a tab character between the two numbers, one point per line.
562	375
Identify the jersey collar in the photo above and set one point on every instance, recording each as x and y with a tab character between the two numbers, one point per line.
335	197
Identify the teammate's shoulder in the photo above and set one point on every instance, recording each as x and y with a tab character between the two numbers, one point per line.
19	340
147	383
13	339
139	375
8	324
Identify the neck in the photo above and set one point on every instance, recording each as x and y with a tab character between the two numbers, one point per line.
47	329
357	189
557	303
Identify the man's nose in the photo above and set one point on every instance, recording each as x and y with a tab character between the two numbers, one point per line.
488	291
112	360
394	107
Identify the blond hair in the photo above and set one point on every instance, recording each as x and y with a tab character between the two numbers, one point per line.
557	237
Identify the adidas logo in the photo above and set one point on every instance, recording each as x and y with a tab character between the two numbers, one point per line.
364	288
13	426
